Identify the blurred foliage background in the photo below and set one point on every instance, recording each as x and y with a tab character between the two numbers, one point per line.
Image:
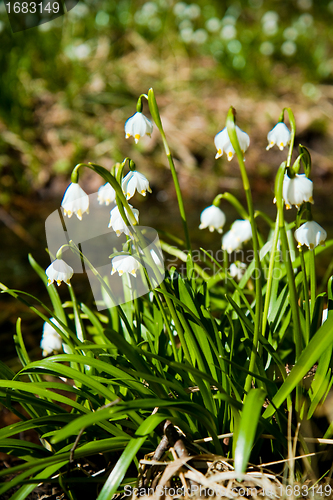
67	87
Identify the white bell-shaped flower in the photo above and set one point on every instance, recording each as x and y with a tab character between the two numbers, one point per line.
125	264
134	181
239	233
51	340
106	194
231	242
223	144
213	218
243	229
279	135
59	271
137	126
237	269
118	224
297	190
310	234
75	201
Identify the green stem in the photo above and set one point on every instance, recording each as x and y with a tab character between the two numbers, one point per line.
293	132
258	291
178	326
312	280
306	298
225	268
121	313
170	333
233	201
109	178
153	108
79	327
270	277
287	260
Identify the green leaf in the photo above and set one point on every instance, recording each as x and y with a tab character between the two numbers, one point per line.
190	270
321	341
118	473
87	449
12	385
24	491
23	449
247	428
51	366
6	372
121	409
36	423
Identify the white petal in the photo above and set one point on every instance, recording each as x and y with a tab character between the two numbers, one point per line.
279	135
230	242
59	271
135	181
51	340
223	143
213	218
75	200
137	126
242	229
118	224
310	234
297	190
106	194
125	264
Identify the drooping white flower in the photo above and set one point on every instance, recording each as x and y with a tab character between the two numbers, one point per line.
243	229
134	181
106	194
239	233
237	269
297	190
51	340
137	126
213	218
231	242
59	271
118	224
279	135
75	201
125	264
223	144
310	234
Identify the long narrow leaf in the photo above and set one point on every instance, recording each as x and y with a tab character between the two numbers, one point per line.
316	347
120	469
247	428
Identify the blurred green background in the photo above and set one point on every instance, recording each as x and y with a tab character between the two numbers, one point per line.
67	87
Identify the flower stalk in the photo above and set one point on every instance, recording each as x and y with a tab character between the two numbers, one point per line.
287	260
153	108
270	277
312	267
306	298
292	136
231	127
